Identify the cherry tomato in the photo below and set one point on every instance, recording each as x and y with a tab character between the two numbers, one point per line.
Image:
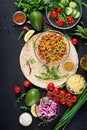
74	41
26	83
63	101
53	14
62	93
70	20
57	98
60	22
68	95
49	94
58	10
50	86
74	99
17	89
56	91
69	103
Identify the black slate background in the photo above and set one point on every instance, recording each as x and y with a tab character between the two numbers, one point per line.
11	75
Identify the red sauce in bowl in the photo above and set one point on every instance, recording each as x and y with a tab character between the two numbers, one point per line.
19	18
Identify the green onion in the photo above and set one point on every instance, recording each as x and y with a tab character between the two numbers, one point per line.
70	112
21	34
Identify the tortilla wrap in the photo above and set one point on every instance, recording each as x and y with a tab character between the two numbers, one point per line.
36	67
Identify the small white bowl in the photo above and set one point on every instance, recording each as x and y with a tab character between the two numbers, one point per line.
19	20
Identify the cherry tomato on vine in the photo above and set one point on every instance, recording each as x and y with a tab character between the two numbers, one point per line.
60	22
56	91
69	103
26	83
63	101
70	20
49	94
74	99
17	89
74	41
68	95
50	86
57	98
62	93
53	14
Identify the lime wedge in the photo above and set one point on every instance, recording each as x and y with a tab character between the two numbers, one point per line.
34	110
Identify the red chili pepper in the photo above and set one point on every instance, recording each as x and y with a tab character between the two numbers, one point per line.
30	69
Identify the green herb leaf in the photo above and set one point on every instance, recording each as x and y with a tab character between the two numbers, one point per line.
51	74
84	4
20	98
52	54
25	108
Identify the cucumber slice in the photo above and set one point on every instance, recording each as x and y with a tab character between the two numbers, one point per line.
77	15
69	10
64	2
74	12
72	4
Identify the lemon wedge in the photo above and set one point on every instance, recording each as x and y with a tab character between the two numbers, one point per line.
34	111
28	35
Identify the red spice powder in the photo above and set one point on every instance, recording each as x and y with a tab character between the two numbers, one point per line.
19	18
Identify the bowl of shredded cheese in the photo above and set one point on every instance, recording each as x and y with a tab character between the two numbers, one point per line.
52	47
76	84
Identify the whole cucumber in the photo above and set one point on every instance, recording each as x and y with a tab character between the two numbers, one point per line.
36	20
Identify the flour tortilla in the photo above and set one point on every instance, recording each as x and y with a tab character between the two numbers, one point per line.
27	53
